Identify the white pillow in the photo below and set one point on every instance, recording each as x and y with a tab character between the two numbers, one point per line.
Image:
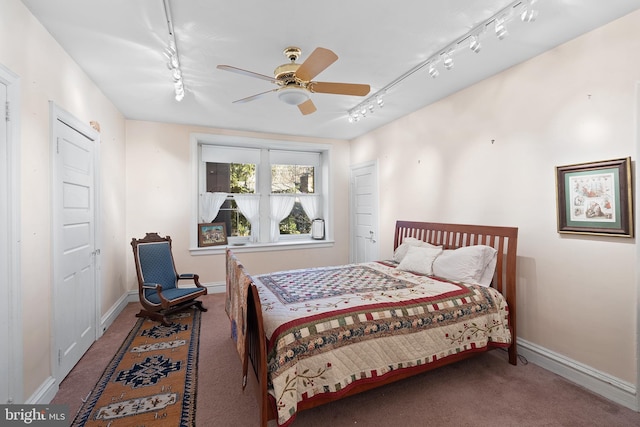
467	264
419	259
407	242
487	275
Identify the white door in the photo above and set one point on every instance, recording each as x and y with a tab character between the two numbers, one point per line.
5	393
74	299
364	212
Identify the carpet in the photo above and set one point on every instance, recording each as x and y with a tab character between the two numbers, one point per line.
152	378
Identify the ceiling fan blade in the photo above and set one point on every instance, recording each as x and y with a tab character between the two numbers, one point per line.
340	88
317	62
246	73
307	107
252	97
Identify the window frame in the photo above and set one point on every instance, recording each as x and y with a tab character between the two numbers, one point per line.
242	244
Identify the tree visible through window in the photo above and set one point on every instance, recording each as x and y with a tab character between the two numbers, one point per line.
235	178
294	179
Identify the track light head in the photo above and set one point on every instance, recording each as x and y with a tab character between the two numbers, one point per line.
529	13
433	71
501	29
448	61
475	44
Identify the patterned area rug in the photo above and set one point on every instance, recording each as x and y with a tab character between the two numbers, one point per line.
152	378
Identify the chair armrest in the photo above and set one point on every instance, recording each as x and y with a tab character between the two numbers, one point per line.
158	288
191	276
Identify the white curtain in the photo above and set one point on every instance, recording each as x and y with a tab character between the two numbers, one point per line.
280	208
311	205
249	206
210	205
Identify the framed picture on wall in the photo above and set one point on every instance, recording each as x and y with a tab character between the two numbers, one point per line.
595	198
212	234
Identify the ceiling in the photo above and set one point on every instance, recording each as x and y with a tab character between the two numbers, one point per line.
120	45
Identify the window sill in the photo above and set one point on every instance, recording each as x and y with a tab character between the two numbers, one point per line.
263	247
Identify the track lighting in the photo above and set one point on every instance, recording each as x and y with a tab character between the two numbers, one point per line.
447	61
472	40
529	13
433	71
501	28
174	66
475	44
171	52
368	107
179	89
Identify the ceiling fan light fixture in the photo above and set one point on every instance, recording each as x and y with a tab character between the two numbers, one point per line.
293	95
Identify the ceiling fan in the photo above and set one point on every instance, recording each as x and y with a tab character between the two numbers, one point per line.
295	80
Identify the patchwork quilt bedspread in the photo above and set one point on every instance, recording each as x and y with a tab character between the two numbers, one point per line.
329	328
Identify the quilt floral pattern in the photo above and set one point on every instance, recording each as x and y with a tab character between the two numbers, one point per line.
331	340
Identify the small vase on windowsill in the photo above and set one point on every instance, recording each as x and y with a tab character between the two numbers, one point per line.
317	229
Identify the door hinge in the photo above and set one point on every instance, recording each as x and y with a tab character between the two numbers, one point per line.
7	116
59	357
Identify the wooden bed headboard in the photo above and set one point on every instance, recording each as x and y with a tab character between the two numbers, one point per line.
453	236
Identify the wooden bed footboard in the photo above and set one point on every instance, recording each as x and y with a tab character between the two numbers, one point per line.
256	349
450	236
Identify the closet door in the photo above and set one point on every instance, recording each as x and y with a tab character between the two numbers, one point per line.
364	212
75	282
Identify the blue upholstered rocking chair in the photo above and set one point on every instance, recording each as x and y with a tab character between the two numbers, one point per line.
158	280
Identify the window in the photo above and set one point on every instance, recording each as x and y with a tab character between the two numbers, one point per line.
266	192
294	173
231	178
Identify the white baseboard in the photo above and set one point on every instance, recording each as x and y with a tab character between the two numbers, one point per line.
605	385
115	310
216	287
44	394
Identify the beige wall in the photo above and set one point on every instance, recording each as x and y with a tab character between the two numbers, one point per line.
48	73
577	295
160	190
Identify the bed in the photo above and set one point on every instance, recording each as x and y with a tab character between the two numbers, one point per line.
317	335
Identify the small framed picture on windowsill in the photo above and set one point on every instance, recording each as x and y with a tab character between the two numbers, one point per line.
212	234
